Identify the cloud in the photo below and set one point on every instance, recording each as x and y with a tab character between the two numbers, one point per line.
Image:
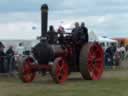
19	25
19	5
87	6
105	17
18	30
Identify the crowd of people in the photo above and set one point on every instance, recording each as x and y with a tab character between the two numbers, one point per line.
115	54
7	57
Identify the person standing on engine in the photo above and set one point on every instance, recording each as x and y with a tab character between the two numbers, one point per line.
61	29
83	36
76	46
75	33
61	32
52	35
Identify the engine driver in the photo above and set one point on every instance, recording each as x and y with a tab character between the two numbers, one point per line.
79	37
52	35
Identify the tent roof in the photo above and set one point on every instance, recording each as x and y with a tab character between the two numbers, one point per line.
104	39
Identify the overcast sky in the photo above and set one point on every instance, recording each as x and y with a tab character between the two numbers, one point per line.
104	17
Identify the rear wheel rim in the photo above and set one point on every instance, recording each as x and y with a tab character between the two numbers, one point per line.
95	61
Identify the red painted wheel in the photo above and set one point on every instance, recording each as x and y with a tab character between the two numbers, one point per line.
59	70
26	73
92	61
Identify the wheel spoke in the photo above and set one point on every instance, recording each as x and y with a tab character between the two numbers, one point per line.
92	52
96	73
91	58
26	68
62	67
96	49
94	77
61	70
98	60
58	74
58	67
27	73
28	77
91	67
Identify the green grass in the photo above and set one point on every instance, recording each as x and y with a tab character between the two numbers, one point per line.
113	83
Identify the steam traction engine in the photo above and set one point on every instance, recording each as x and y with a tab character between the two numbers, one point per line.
60	58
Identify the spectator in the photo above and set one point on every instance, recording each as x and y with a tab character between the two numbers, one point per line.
10	51
126	55
2	58
10	66
20	49
117	58
109	56
123	51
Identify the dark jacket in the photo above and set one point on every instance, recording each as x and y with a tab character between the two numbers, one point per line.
80	35
83	35
75	34
10	52
52	37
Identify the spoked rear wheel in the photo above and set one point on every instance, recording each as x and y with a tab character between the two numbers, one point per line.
26	72
92	61
59	70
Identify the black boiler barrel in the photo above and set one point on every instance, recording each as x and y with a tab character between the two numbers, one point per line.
43	52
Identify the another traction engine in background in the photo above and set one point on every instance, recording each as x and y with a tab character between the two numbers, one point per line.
60	59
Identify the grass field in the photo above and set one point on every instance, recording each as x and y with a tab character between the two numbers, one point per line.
113	83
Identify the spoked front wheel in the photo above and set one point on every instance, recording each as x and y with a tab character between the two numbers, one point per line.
59	70
26	73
